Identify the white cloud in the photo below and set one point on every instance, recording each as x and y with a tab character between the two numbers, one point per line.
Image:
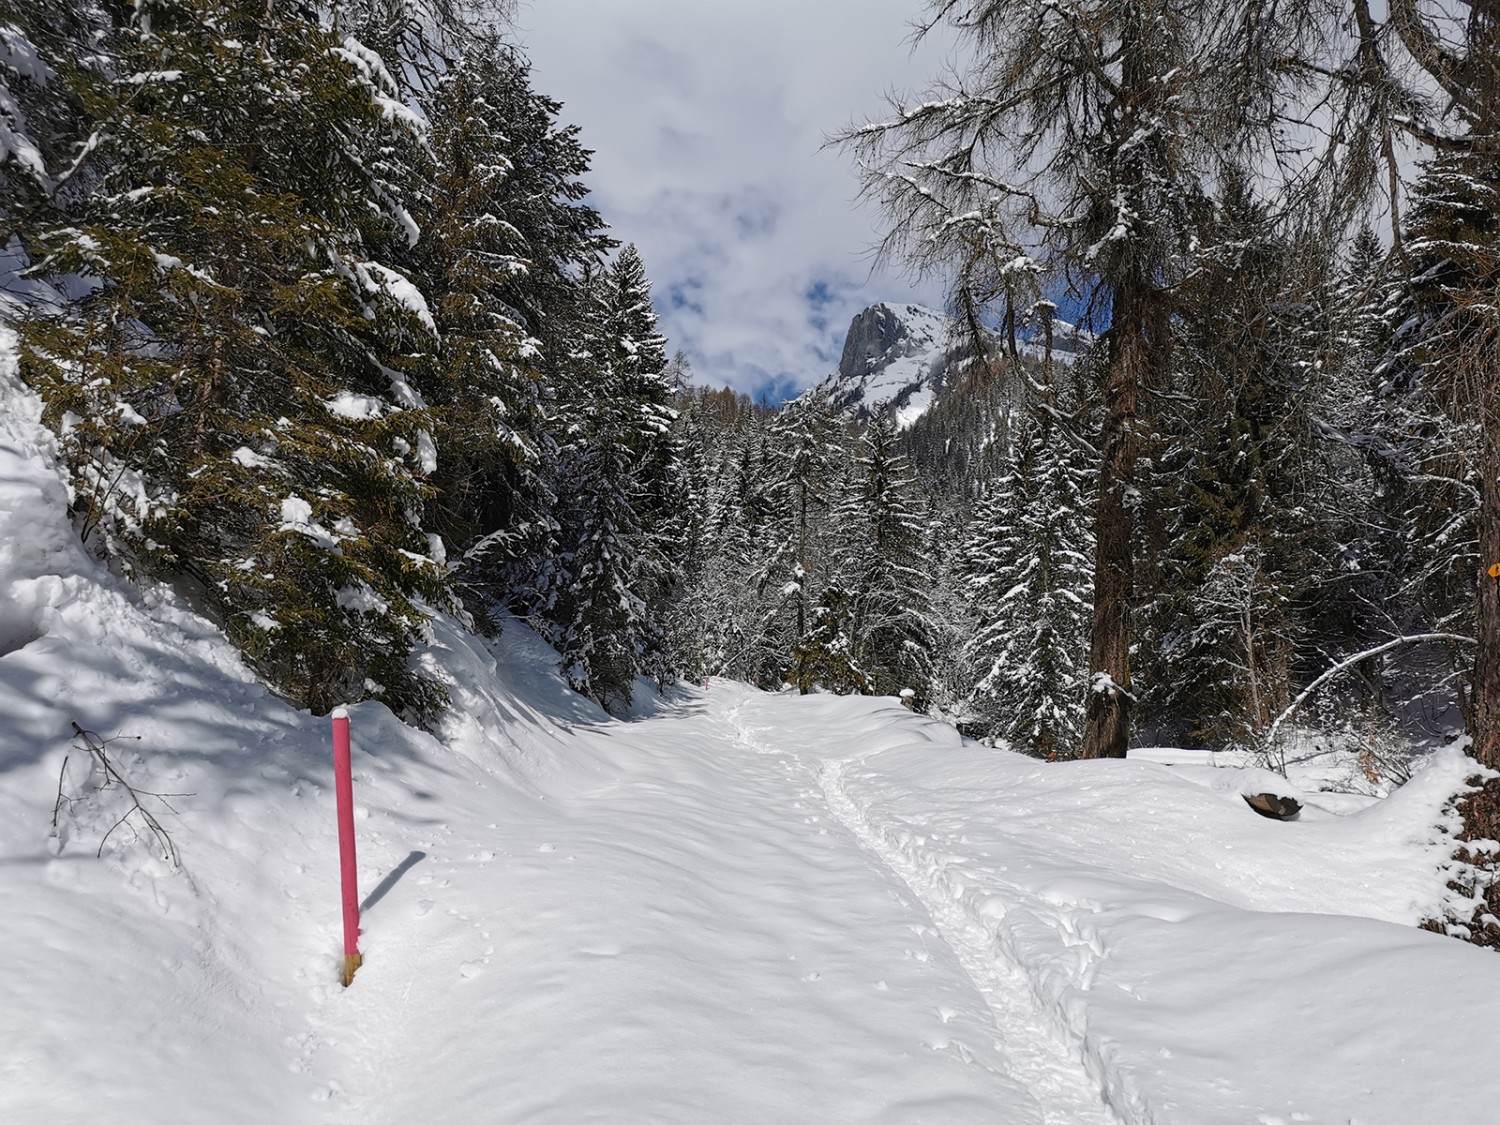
707	118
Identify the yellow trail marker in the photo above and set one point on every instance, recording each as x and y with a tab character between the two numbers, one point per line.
1495	571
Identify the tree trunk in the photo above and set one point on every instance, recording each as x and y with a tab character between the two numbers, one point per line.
1485	705
1106	732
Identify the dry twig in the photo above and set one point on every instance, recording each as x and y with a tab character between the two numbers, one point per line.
97	747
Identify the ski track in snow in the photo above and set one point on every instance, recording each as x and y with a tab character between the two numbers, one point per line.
1040	1060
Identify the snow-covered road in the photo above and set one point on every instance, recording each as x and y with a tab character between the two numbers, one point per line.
739	908
702	933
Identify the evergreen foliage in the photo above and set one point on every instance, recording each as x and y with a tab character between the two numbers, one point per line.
229	389
334	341
306	315
1028	560
886	565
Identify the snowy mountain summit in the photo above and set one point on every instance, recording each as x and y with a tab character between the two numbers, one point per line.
903	357
895	356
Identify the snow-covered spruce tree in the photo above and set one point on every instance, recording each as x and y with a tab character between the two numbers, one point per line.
542	200
610	574
422	39
692	645
824	656
1090	132
541	204
744	614
1450	345
806	458
1448	355
229	389
47	52
1364	431
483	386
1237	469
1028	562
1447	352
886	567
950	688
639	360
599	623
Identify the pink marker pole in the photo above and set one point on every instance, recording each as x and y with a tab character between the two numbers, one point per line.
343	784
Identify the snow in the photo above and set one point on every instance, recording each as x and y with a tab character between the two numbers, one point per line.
355	407
19	56
734	907
374	276
362	599
905	376
911	374
426	453
296	517
250	459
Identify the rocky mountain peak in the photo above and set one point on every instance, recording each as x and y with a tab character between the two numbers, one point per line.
899	357
883	333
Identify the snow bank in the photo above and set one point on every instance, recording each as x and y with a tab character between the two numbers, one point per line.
1208	964
140	992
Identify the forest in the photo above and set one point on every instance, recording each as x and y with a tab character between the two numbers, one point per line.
334	342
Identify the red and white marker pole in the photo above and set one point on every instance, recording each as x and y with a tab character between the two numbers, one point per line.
343	784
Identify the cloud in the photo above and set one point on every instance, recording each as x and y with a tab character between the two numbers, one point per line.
707	118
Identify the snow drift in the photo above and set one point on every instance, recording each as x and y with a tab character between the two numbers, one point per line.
737	907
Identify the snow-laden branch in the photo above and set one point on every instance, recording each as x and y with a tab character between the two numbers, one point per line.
1349	662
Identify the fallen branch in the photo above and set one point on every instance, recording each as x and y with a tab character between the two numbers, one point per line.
1348	662
58	804
97	748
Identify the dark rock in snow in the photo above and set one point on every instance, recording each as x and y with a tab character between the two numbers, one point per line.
1272	806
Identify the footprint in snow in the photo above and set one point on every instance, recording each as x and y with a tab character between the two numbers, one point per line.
470	969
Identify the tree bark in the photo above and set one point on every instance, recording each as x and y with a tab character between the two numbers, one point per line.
1106	732
1485	688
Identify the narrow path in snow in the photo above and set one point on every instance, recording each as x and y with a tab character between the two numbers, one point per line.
1039	1057
1036	1055
678	930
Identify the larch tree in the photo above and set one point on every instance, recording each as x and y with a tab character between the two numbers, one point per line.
1089	135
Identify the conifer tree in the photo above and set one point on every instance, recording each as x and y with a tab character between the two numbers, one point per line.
824	656
639	360
1089	135
484	385
893	627
48	52
953	624
1030	580
231	390
800	495
1241	569
611	574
